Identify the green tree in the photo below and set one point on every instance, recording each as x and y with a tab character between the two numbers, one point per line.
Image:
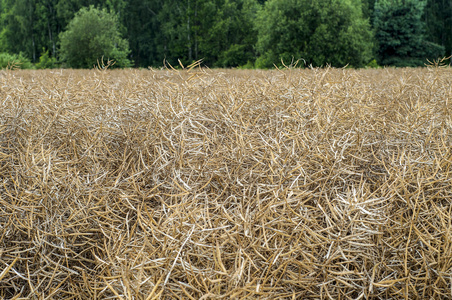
91	35
45	61
319	32
182	23
18	28
66	9
233	35
32	26
438	18
368	8
144	32
400	32
14	61
29	26
218	31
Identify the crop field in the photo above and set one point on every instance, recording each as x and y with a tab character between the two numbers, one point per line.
226	184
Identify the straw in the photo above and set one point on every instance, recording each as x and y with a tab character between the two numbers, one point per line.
210	184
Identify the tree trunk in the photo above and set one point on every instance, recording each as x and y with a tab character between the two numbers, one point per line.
196	34
190	54
34	47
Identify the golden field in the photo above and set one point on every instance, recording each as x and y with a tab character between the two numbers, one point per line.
226	184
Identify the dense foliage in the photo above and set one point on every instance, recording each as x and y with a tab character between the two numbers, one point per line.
401	34
233	33
438	17
319	32
91	35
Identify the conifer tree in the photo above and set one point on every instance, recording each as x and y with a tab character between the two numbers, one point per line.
400	32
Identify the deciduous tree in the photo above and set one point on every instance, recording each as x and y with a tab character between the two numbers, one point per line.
319	32
91	35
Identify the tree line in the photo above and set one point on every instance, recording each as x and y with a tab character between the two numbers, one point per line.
225	33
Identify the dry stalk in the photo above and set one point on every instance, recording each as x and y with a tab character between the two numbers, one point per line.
201	184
